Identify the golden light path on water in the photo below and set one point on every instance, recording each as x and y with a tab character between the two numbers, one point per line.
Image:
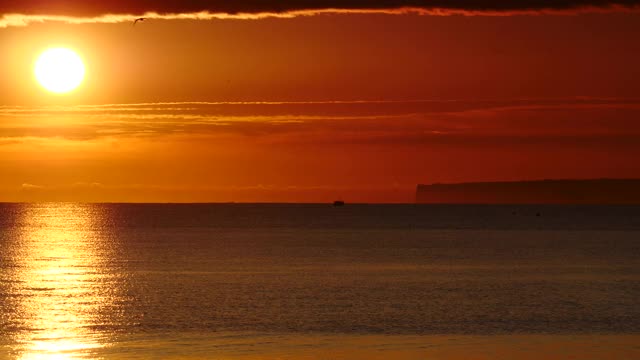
63	284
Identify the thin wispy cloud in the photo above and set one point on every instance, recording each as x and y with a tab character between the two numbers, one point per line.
572	120
80	12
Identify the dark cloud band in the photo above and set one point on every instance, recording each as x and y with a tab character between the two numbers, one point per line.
83	8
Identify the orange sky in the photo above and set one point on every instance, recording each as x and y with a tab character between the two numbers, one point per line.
355	106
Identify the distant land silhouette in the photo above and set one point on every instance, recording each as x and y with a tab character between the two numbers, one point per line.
592	191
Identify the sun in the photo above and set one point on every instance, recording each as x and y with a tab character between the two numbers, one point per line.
59	70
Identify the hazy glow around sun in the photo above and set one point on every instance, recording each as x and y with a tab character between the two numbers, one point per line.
59	70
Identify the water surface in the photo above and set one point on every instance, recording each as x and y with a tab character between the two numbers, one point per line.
314	281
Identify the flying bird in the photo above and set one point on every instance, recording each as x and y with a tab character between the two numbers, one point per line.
138	19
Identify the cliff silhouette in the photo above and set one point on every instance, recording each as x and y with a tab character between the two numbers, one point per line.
593	191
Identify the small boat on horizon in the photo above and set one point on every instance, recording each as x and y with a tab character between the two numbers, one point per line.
338	203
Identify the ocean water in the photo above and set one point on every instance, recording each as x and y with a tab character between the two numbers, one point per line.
280	281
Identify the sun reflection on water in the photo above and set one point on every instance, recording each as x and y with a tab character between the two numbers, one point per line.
62	281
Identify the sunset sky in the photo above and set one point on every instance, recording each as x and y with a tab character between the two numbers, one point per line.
312	101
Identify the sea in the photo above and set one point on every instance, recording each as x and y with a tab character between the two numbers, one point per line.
314	281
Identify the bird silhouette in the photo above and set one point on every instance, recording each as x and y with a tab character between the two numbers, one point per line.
139	19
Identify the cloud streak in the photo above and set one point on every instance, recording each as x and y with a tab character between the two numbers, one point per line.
22	13
570	121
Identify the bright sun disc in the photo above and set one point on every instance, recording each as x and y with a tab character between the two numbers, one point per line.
59	70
